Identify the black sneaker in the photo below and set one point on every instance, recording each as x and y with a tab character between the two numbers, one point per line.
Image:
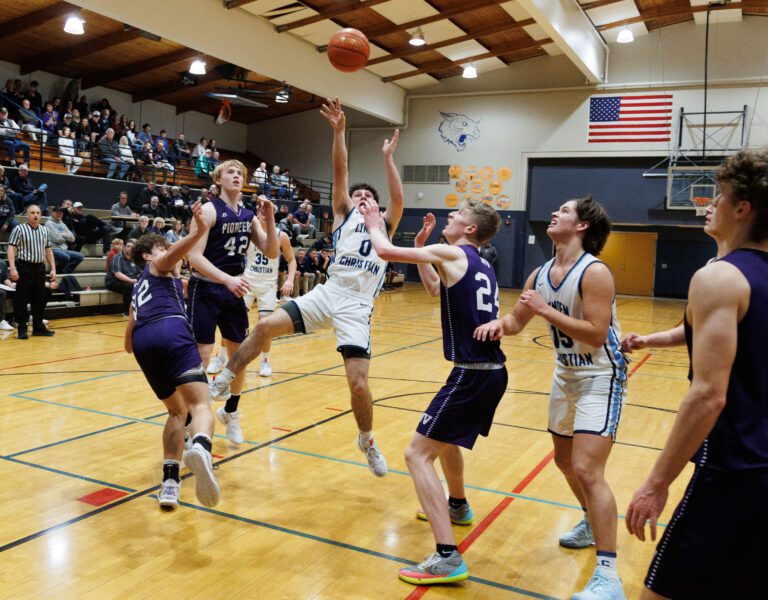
43	332
23	334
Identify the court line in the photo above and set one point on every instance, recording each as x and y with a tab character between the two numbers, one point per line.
72	439
47	362
66	474
640	364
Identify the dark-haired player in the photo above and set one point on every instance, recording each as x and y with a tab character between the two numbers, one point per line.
463	409
575	292
160	337
714	546
345	302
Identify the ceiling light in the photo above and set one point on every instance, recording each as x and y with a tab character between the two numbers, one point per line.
625	36
283	95
470	72
197	68
74	25
417	39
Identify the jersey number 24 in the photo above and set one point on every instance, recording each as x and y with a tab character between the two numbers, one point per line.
483	294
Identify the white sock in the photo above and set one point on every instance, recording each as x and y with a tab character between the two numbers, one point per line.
366	437
226	376
607	561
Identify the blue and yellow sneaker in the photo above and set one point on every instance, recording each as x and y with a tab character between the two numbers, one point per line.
436	569
461	515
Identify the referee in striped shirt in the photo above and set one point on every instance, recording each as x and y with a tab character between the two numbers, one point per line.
28	250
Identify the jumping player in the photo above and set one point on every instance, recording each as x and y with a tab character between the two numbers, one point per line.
216	288
345	301
714	545
160	337
464	407
574	292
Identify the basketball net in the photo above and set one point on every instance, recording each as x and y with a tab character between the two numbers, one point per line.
225	113
701	204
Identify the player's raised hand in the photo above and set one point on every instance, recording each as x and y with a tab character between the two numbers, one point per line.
197	215
427	227
237	285
491	331
633	341
388	149
332	112
371	213
532	300
646	506
265	208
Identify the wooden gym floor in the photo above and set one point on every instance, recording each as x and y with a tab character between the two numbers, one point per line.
301	516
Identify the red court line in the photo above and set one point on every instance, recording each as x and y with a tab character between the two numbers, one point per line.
680	322
48	362
640	364
491	517
102	496
336	409
282	429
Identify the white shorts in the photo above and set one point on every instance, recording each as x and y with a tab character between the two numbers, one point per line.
586	403
348	314
264	292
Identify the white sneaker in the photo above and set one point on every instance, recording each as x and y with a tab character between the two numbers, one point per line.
216	365
232	422
169	493
219	389
207	490
265	371
45	322
376	461
5	326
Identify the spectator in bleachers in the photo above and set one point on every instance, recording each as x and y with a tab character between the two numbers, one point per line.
147	157
75	115
175	233
261	179
325	262
212	191
7	212
116	248
126	155
49	118
110	154
202	167
133	135
58	107
89	229
310	228
65	121
94	126
212	146
165	196
215	161
146	135
34	97
30	193
123	274
199	149
68	107
72	89
163	139
83	135
68	151
82	106
121	209
291	227
121	126
305	271
154	209
282	212
8	132
5	279
162	161
145	195
177	203
324	243
158	226
181	149
141	228
60	237
279	182
106	120
30	122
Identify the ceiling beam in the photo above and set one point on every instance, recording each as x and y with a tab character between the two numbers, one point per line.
175	85
408	50
139	67
236	3
682	11
194	104
341	10
35	18
84	48
598	4
441	65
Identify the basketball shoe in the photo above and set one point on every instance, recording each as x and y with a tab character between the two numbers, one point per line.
437	569
207	490
580	536
168	496
232	423
461	515
219	389
218	362
266	368
604	585
376	461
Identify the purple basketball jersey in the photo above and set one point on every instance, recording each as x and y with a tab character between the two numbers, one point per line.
157	298
470	302
229	237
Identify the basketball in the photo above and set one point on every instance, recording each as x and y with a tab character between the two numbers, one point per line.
348	50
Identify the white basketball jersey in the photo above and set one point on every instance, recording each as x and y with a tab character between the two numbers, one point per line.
572	356
259	268
356	266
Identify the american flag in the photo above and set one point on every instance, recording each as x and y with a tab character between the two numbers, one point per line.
635	118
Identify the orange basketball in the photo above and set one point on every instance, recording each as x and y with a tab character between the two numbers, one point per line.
348	50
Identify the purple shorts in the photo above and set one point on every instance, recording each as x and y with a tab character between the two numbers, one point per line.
168	355
212	304
464	407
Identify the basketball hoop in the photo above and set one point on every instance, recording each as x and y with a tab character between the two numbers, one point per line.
701	203
225	113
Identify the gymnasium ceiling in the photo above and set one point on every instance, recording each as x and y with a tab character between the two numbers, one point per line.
489	33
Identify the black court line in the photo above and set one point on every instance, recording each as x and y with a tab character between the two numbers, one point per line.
72	439
67	474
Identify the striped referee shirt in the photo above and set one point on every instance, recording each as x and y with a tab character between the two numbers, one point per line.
30	243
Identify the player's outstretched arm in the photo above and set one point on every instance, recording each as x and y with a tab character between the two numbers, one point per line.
510	324
290	258
265	240
717	299
394	211
332	113
597	291
660	339
179	249
429	277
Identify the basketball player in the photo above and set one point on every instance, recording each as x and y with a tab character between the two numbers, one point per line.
464	407
160	337
574	292
216	288
714	546
345	301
